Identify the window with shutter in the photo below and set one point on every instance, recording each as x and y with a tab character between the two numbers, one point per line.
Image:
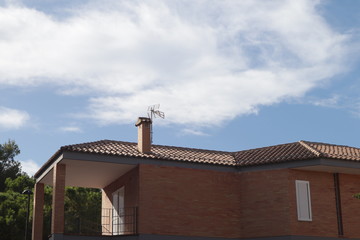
303	200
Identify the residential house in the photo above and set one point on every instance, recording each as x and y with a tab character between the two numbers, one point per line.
301	190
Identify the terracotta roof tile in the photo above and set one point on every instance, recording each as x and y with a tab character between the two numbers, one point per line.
274	154
117	148
301	150
336	151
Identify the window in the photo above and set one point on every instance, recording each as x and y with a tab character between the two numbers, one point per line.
118	212
303	200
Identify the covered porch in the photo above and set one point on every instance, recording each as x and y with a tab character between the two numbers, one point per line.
118	211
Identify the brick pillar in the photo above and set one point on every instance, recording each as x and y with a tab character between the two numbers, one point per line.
38	212
57	220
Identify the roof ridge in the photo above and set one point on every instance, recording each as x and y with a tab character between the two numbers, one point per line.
330	144
153	145
96	142
266	147
311	149
195	149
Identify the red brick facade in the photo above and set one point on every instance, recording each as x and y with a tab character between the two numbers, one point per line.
58	218
202	193
131	182
323	205
38	212
350	185
265	203
188	202
192	202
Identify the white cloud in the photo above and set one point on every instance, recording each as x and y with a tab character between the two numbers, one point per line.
188	131
206	62
71	129
333	101
30	167
12	118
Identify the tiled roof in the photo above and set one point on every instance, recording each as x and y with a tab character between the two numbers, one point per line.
127	149
296	151
301	150
274	154
335	151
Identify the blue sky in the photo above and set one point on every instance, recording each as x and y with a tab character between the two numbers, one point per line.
229	75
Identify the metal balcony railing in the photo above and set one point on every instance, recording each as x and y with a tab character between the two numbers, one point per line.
108	222
119	222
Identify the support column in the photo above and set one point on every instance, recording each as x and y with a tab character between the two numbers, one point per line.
57	220
38	212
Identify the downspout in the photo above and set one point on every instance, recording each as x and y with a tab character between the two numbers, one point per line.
338	204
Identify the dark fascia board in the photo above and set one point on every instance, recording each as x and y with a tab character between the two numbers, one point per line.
128	160
136	161
340	163
48	164
302	163
281	165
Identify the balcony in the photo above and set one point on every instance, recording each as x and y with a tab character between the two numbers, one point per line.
108	222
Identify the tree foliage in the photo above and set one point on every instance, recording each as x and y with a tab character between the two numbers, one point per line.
82	210
13	204
9	167
13	207
81	204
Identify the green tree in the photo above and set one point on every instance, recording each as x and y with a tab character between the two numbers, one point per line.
13	204
13	207
82	210
9	168
82	205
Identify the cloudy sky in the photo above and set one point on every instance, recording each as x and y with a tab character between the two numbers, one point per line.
229	75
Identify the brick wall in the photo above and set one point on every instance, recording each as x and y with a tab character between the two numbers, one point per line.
350	185
192	202
130	181
323	206
57	218
268	204
179	201
265	203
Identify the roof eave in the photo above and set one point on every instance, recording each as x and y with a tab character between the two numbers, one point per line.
48	163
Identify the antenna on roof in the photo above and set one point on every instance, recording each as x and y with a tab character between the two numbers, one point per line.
153	112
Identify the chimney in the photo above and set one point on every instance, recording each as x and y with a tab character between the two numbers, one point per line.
144	134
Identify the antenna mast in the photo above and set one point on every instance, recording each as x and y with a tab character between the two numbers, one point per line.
153	112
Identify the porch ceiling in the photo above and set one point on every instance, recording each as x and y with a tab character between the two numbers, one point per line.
89	174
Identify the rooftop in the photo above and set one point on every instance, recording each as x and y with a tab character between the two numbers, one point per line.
273	154
301	150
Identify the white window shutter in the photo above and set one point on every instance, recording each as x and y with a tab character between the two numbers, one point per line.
303	200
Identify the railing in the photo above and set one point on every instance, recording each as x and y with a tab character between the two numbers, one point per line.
119	222
108	222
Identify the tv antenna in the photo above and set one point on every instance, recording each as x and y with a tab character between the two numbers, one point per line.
153	112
